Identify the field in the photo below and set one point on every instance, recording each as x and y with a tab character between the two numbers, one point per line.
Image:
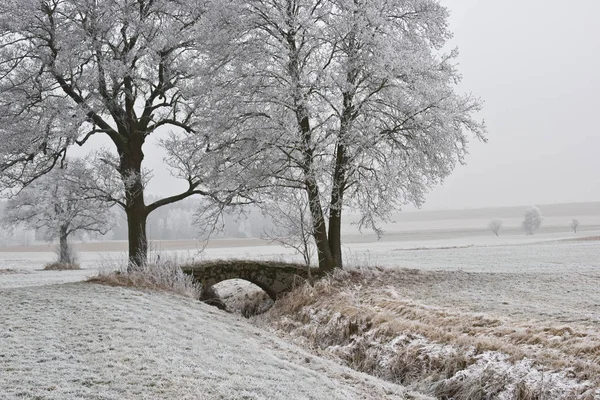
534	298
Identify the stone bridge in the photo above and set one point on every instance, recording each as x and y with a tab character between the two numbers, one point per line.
275	278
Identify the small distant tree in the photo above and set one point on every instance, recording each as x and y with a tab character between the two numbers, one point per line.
292	226
533	220
495	225
60	204
575	225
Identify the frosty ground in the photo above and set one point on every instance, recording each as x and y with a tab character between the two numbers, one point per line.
82	340
68	340
552	276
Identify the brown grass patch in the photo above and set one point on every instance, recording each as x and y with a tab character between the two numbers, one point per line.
11	271
583	239
57	266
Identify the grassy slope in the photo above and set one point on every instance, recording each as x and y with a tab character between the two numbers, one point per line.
97	342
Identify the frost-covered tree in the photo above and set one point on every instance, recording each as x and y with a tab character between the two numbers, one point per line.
127	69
291	223
574	225
533	220
495	225
357	102
59	204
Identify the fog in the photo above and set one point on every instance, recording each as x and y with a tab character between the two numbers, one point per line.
535	63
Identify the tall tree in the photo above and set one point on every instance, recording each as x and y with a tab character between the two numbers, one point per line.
59	203
72	69
357	102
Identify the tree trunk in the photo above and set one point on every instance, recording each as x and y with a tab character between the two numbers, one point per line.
335	206
137	213
326	260
136	231
335	236
336	201
63	256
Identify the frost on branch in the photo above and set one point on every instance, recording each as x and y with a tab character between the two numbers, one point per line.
355	101
291	223
60	204
127	69
533	220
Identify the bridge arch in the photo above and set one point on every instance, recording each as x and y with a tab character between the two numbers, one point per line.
275	278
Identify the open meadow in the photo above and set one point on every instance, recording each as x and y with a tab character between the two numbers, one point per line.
527	306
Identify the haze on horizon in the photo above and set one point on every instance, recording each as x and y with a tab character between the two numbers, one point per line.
536	66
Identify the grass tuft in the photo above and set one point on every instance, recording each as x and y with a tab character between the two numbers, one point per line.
58	266
11	271
164	276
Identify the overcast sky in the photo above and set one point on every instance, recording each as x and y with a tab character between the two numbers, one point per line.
536	64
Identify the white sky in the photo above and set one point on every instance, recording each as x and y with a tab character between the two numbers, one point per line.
536	64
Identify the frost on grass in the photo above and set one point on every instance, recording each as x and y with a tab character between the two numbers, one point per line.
82	341
162	276
12	271
58	266
360	318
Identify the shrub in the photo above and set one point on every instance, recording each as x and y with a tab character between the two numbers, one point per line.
162	276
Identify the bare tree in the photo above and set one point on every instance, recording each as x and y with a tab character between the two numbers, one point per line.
72	69
292	227
574	225
533	220
495	225
59	203
356	101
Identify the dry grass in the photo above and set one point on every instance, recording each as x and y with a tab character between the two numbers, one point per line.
359	317
11	271
256	303
435	248
58	266
164	276
583	239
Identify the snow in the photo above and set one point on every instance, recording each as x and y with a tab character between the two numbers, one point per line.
61	335
89	341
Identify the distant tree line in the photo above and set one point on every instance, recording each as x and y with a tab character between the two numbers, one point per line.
531	224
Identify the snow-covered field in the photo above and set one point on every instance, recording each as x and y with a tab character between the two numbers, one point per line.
64	340
552	275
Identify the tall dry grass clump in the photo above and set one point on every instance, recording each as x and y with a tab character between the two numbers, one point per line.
164	276
358	317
